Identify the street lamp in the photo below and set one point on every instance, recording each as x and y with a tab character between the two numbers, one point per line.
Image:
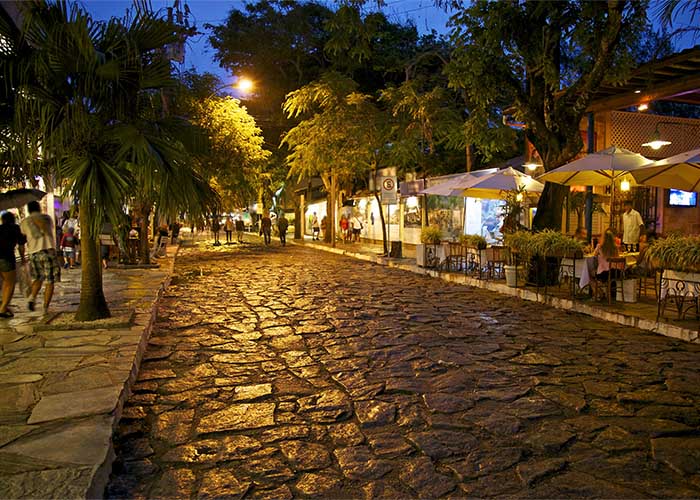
243	84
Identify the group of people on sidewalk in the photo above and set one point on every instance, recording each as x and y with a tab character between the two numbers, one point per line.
229	226
350	228
38	233
266	228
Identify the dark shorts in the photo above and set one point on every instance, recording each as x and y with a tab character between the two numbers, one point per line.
7	266
356	231
44	266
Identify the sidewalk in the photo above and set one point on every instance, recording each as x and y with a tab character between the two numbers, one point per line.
640	315
62	391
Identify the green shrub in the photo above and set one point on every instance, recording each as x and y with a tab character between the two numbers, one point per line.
431	235
473	241
679	253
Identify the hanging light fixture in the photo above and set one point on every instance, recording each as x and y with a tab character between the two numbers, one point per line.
656	142
625	185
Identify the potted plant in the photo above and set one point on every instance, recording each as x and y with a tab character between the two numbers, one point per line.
473	241
521	249
678	253
427	254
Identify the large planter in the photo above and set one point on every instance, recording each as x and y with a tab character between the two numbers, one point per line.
430	255
511	275
628	291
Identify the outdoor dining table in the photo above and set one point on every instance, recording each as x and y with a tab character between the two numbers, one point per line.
585	269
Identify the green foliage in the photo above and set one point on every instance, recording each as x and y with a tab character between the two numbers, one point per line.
340	131
544	60
677	252
546	243
473	241
431	235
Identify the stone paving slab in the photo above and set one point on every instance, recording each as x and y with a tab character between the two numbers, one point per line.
62	391
640	316
293	373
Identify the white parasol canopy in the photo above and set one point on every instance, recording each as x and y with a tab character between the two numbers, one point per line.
506	179
598	169
681	171
455	185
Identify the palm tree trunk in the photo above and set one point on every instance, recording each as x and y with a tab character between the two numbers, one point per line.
144	249
93	304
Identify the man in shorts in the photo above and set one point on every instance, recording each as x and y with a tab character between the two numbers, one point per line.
41	247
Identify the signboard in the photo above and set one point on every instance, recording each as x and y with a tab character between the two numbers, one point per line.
386	183
388	186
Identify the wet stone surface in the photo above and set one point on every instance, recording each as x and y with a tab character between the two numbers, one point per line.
286	373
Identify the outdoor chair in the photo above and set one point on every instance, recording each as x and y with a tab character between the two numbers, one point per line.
496	259
603	289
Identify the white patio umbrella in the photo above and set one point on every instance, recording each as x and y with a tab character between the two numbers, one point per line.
602	168
506	179
681	171
455	185
18	197
598	169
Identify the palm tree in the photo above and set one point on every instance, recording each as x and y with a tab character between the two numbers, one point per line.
89	90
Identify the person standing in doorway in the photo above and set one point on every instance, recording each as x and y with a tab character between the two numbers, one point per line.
228	227
282	225
41	247
315	227
266	228
632	226
10	237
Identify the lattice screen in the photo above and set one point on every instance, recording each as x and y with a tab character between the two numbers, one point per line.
631	130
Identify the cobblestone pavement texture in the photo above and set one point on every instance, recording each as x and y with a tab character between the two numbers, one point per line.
281	373
60	388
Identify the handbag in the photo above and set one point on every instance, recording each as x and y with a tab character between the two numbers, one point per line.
24	280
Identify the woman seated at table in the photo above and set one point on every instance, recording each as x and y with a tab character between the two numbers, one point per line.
606	249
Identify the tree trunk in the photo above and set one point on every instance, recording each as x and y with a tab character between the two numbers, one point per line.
144	248
381	218
548	214
93	304
334	203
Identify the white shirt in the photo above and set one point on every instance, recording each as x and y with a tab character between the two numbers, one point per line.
630	227
40	233
356	224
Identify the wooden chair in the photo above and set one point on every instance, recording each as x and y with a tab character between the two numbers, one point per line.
496	259
603	289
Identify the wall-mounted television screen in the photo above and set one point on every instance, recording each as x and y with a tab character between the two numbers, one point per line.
678	198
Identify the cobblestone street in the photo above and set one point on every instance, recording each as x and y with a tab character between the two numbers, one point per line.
288	372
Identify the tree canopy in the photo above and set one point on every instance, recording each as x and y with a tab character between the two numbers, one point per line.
543	61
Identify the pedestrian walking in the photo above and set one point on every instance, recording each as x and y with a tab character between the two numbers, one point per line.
228	228
357	227
266	228
215	228
240	228
41	246
315	227
632	226
67	245
344	228
282	225
10	237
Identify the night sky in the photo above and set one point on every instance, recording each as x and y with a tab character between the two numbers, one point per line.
200	54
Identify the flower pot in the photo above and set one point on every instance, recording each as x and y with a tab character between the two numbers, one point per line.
511	275
630	289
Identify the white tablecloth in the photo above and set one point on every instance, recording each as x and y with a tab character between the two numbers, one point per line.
586	267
